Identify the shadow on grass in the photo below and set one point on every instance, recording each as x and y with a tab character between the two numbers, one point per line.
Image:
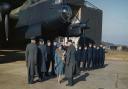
11	56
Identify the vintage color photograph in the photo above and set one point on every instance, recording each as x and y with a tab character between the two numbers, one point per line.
63	44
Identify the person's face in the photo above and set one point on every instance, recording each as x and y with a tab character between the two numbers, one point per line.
54	43
85	48
90	45
101	45
97	47
79	47
49	43
33	41
41	42
94	46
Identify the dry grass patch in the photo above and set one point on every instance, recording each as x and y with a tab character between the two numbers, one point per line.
117	55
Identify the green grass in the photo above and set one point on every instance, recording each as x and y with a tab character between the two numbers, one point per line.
117	55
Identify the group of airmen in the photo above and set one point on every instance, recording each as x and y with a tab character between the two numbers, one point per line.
90	57
56	59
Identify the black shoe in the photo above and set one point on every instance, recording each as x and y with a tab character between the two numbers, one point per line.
44	78
69	84
30	82
47	75
39	80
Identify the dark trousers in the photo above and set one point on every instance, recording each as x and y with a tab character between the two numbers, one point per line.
47	66
89	60
78	64
85	64
101	61
30	77
70	81
94	63
77	68
42	75
53	71
50	59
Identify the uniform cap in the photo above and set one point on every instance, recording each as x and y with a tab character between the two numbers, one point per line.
33	38
41	40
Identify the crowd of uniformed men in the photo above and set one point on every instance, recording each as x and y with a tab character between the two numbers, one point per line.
46	60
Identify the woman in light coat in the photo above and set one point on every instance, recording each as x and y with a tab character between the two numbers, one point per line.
59	63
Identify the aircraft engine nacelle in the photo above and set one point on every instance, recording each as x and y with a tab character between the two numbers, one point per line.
48	18
44	16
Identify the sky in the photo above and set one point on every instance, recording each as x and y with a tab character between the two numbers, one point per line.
115	20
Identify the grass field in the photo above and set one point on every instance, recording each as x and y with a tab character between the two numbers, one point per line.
14	55
117	55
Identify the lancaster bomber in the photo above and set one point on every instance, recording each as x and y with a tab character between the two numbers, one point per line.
23	19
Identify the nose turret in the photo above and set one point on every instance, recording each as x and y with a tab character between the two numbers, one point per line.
66	13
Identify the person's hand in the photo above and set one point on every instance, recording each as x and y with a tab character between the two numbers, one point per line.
63	58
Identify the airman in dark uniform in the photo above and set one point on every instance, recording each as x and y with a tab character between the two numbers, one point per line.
85	56
42	58
54	47
31	60
49	57
78	56
70	63
94	57
97	57
89	60
101	52
103	55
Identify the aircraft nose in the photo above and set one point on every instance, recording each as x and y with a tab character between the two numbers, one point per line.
66	13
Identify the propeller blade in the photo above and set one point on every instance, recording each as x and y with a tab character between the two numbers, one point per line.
6	26
0	17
